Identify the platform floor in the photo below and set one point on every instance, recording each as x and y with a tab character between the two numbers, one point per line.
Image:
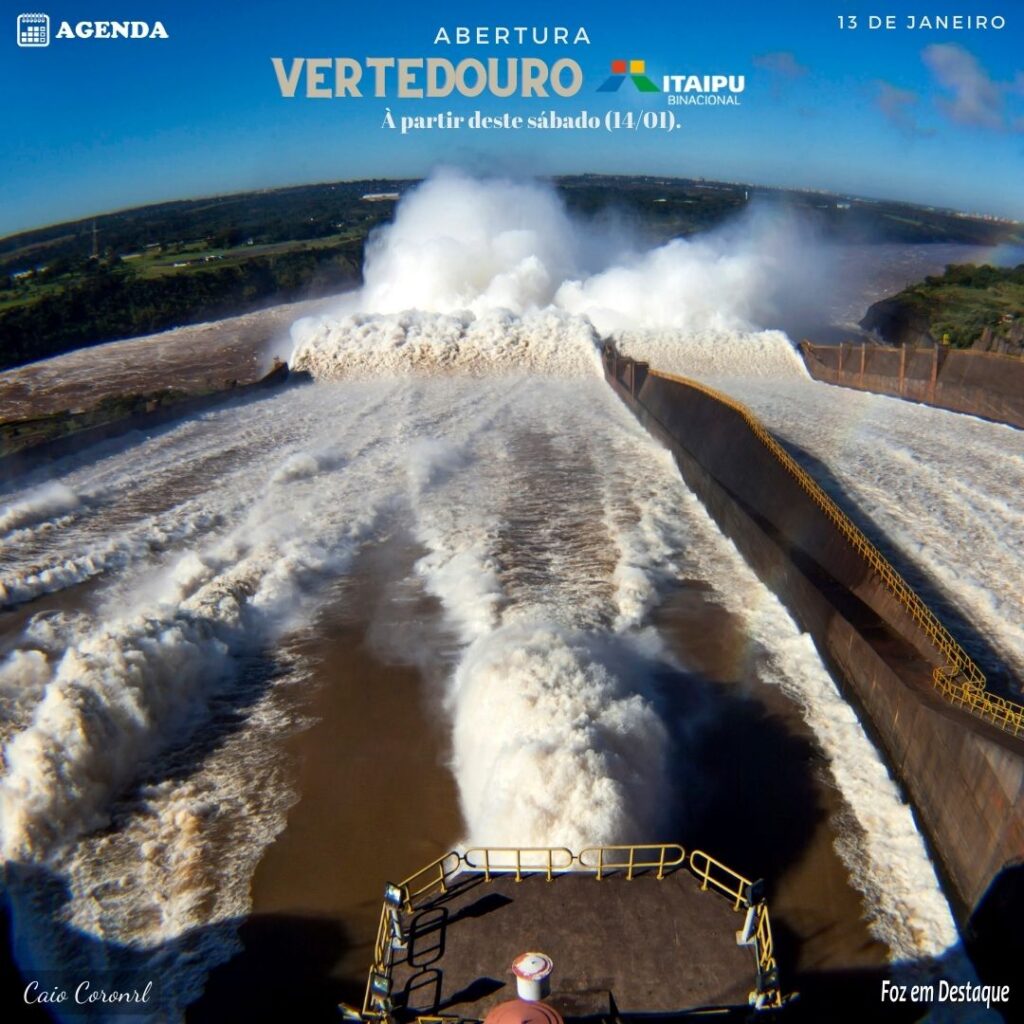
640	946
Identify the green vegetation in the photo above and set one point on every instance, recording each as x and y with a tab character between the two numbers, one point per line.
137	271
672	207
111	298
144	270
971	306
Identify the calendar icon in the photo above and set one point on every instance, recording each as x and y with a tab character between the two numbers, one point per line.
33	30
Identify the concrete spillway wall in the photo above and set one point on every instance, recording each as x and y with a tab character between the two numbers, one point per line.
79	437
963	773
983	384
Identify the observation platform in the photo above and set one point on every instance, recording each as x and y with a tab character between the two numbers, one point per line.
657	937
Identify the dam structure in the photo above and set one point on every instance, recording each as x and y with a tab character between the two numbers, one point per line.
985	384
448	591
957	748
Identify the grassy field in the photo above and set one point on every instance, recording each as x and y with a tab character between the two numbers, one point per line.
162	261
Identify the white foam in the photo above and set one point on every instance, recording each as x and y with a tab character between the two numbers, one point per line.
484	253
885	855
552	745
432	343
45	502
462	244
550	521
731	279
545	552
128	684
31	580
24	674
943	488
692	308
555	608
709	352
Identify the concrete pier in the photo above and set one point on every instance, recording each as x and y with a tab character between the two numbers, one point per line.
633	946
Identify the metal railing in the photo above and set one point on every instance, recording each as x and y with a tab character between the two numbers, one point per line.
517	860
815	349
959	680
630	859
599	861
434	877
764	944
415	889
714	873
376	1004
717	875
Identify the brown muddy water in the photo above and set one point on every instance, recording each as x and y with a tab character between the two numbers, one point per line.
376	799
240	855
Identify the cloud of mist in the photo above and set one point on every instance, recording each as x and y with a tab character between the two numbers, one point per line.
754	270
459	243
467	245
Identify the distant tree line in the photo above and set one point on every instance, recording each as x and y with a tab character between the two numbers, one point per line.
280	215
968	275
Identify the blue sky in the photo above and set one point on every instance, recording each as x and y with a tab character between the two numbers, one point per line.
935	117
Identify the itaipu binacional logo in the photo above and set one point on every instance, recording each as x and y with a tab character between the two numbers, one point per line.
33	30
689	90
637	72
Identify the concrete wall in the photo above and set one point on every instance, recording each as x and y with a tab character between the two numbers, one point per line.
35	455
965	778
980	383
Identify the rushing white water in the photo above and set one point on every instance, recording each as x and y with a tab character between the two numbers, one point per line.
944	489
555	734
904	905
941	488
459	396
709	353
496	342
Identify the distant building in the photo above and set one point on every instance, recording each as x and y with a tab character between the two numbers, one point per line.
381	197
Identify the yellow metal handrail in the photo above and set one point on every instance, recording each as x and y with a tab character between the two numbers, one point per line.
383	956
724	879
731	883
970	692
669	855
763	942
428	880
524	860
434	877
548	859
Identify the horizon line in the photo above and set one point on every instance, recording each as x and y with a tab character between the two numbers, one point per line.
967	214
